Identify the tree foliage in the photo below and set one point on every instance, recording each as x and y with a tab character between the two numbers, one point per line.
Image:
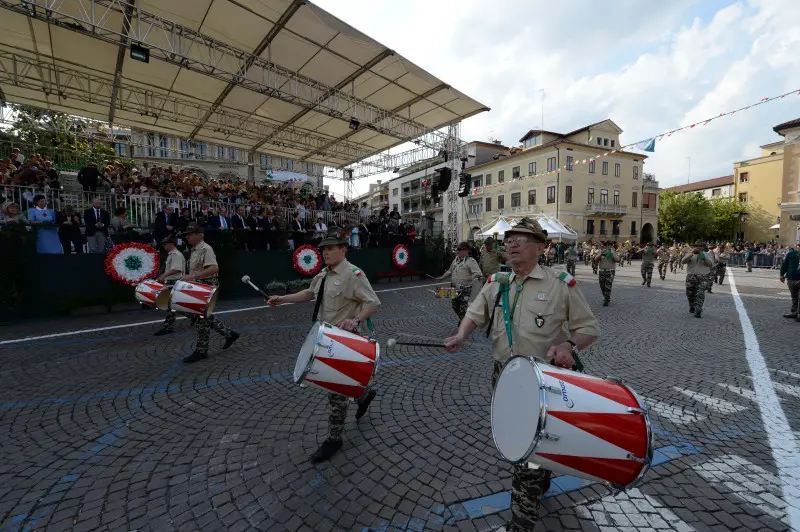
689	217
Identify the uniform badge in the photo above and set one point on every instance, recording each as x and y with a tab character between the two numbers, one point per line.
541	296
539	321
337	283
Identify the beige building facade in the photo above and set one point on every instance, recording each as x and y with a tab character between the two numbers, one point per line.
609	198
789	232
718	187
758	183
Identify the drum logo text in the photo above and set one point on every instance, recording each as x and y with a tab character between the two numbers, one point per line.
565	396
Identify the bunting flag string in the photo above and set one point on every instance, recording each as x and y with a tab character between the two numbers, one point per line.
647	144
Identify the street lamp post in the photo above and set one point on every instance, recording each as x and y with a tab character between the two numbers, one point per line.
742	217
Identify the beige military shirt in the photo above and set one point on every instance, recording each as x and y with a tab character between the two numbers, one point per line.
696	266
648	255
490	262
608	263
545	298
722	256
663	255
202	257
347	292
463	270
175	261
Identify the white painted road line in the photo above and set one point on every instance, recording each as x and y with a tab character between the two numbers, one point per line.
782	441
744	392
632	510
151	322
714	403
676	414
747	481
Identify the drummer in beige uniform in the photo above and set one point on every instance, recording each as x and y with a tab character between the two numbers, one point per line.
543	302
347	301
174	268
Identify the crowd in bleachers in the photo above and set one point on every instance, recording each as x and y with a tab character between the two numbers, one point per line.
145	205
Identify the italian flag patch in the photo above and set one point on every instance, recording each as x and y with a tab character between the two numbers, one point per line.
567	278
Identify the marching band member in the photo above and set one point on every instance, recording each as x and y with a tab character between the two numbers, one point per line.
203	268
648	262
174	269
663	261
464	269
543	302
345	299
607	260
697	267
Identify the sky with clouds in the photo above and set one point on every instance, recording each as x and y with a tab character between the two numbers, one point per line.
649	66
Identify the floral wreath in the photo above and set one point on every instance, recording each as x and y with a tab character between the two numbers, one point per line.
307	260
400	256
132	263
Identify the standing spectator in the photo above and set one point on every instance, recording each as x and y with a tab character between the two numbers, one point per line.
97	220
790	273
69	230
297	231
220	221
165	223
44	220
12	214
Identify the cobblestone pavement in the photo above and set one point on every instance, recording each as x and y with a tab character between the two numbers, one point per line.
108	430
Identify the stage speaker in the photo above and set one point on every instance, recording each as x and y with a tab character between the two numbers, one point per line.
443	177
464	184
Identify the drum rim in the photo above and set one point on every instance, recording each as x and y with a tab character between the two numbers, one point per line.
648	459
540	428
313	356
167	288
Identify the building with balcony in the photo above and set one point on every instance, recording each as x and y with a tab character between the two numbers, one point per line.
758	183
718	187
790	186
410	192
376	198
609	198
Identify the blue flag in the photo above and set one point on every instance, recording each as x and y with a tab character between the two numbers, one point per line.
647	145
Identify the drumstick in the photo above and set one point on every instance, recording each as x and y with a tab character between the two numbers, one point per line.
246	280
392	342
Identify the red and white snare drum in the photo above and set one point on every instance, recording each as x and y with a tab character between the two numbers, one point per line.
153	294
193	298
571	423
336	360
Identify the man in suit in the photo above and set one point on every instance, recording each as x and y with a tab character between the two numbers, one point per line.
239	226
96	220
165	223
220	221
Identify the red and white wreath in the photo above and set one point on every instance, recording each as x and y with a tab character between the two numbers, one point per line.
307	260
400	256
132	262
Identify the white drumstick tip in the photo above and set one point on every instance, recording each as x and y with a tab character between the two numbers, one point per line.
390	342
246	279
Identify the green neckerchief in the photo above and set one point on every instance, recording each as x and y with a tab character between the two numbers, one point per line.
609	254
508	313
701	257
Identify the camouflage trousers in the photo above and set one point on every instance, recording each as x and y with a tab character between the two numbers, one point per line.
571	267
337	413
673	265
461	301
647	272
169	321
606	281
204	326
719	272
696	290
527	485
711	278
662	268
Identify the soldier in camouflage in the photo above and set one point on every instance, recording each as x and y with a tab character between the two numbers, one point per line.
345	299
542	291
663	261
572	259
491	258
721	255
648	263
203	268
464	269
697	266
607	264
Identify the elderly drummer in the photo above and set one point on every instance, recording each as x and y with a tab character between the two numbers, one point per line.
346	299
524	313
174	269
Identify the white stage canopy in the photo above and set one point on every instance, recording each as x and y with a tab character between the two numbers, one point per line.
279	76
555	229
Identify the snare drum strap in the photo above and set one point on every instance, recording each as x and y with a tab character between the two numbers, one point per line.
320	295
